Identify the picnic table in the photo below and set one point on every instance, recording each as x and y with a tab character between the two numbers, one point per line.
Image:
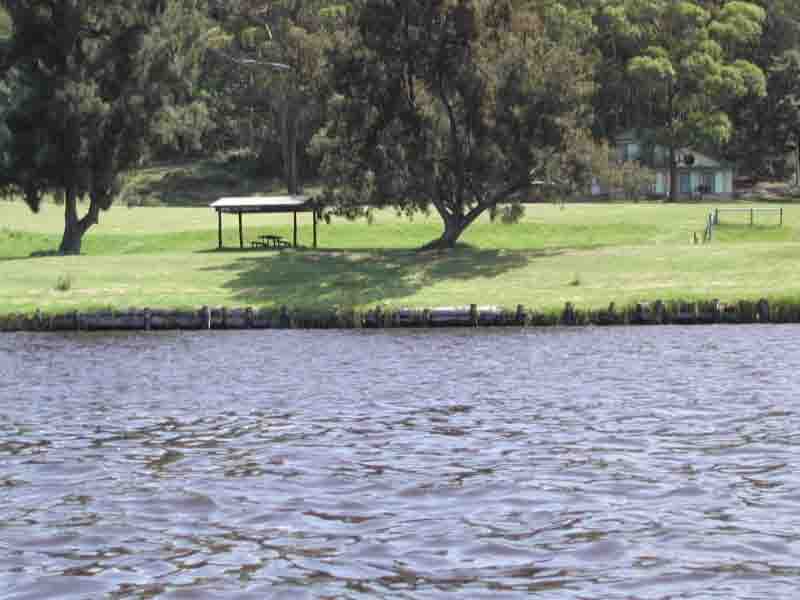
270	241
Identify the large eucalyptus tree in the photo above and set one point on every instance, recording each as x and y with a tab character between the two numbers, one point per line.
459	105
84	83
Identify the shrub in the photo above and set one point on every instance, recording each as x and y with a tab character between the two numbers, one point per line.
64	283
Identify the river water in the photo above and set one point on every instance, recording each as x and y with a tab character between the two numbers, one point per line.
593	463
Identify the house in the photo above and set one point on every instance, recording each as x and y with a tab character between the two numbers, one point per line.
698	174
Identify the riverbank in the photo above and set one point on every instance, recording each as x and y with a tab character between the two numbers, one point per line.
587	255
643	313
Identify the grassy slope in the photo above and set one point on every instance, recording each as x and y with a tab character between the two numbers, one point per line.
623	253
5	25
192	184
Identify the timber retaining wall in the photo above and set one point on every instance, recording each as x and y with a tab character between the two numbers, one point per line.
643	313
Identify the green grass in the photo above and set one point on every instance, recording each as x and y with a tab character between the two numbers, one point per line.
5	25
586	254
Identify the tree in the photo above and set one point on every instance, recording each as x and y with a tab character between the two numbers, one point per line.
759	142
277	50
785	89
455	104
685	61
86	82
608	169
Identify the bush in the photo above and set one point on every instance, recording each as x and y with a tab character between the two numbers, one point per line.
64	283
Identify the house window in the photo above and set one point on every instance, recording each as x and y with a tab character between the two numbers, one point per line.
685	183
630	152
707	183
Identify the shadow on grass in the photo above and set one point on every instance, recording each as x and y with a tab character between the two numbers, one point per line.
331	278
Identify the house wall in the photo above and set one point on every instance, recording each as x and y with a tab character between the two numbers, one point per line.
727	181
629	148
661	183
723	181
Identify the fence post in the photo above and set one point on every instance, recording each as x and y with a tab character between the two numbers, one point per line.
781	223
752	214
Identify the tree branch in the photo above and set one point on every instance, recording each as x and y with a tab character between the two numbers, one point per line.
251	62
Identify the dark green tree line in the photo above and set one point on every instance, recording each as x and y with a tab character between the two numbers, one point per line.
684	61
85	83
458	105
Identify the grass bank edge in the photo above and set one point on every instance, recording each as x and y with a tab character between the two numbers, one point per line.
781	309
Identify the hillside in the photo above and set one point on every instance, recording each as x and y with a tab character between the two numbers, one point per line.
5	24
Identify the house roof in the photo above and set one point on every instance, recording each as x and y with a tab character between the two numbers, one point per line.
701	161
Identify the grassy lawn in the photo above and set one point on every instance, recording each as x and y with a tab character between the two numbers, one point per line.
587	254
5	25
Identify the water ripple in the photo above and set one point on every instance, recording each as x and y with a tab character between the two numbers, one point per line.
566	463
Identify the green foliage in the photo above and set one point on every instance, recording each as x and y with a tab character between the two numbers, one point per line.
5	25
83	99
437	103
182	128
64	283
455	105
684	57
759	143
629	179
267	82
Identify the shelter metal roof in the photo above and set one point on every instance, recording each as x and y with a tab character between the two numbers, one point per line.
264	204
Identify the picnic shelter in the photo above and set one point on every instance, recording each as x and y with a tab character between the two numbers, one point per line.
266	204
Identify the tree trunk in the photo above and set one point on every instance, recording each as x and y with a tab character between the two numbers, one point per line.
289	126
75	228
454	226
293	183
797	163
73	234
673	175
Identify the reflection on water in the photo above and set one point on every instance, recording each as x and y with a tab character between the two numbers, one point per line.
625	463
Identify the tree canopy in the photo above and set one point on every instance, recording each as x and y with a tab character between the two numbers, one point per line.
84	83
268	76
459	105
682	57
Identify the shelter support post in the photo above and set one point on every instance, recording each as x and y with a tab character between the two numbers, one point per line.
219	216
241	233
295	229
